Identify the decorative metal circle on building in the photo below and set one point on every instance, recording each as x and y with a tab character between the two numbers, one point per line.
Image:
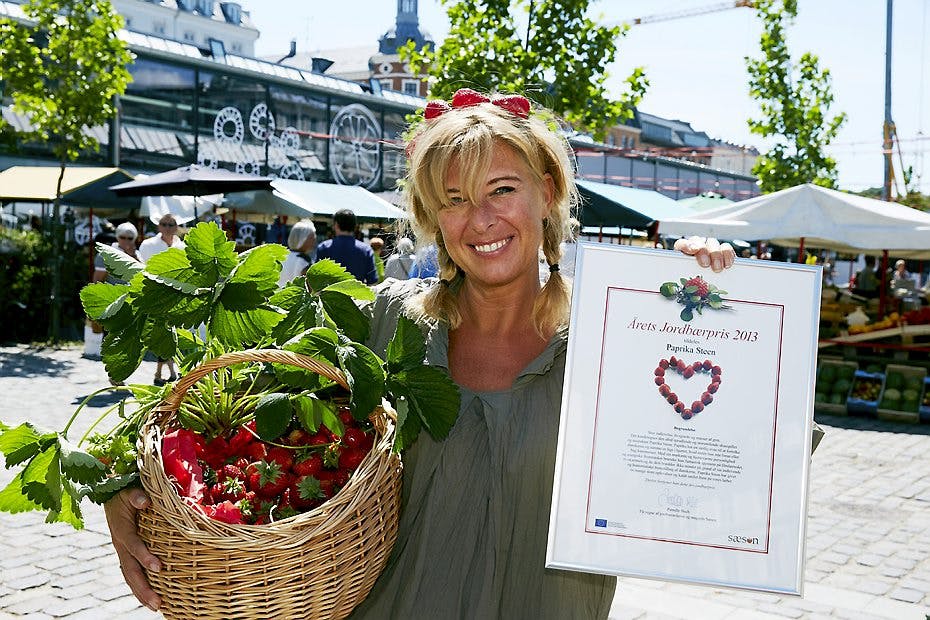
261	122
289	141
228	119
291	171
246	233
384	67
355	147
82	233
206	162
249	167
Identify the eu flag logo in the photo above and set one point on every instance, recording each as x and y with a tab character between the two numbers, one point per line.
600	523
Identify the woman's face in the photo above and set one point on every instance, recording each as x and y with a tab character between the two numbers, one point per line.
496	241
126	243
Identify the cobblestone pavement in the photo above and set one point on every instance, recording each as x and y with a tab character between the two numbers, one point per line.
868	543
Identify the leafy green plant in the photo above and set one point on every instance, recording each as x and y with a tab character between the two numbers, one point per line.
232	299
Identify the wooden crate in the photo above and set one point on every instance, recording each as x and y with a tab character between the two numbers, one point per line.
896	415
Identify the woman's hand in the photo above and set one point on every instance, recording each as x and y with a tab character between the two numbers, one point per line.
708	252
132	552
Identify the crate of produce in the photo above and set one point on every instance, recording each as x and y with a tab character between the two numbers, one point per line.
925	402
834	380
866	393
902	396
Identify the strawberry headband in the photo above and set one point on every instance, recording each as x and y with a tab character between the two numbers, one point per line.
466	97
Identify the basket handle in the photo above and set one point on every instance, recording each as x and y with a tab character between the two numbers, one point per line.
277	356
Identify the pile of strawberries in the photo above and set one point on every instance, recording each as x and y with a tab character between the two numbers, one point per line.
241	479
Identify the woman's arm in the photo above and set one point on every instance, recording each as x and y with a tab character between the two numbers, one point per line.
131	551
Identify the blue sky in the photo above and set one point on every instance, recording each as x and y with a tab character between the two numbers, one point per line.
695	64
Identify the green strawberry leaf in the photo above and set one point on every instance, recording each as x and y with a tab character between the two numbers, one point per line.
102	300
13	497
352	288
342	311
42	479
21	443
272	415
209	252
241	328
715	304
432	397
332	422
173	269
261	265
160	339
319	343
691	288
310	410
70	508
365	377
669	289
407	349
104	491
309	488
78	465
301	310
118	264
686	314
408	426
122	353
324	273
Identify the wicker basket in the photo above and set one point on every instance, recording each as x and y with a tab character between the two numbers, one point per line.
318	564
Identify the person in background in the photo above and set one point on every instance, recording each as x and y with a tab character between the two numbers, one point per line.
491	185
426	263
345	249
399	263
377	246
125	242
167	237
302	244
867	283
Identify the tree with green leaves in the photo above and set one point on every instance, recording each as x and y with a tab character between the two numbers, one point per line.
794	102
64	71
559	60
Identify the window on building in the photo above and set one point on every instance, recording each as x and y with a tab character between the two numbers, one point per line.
158	28
189	36
128	23
387	84
237	47
411	87
408	6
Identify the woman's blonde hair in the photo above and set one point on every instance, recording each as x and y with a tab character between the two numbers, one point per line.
466	137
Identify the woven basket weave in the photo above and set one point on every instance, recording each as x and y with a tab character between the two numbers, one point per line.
318	564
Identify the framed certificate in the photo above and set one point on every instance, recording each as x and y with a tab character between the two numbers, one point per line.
687	410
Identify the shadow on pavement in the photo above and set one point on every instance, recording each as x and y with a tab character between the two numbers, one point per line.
31	363
105	399
871	424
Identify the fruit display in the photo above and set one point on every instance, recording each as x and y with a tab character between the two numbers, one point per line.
834	382
242	479
903	386
865	392
892	320
917	317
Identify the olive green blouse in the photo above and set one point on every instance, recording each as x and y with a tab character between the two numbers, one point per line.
475	513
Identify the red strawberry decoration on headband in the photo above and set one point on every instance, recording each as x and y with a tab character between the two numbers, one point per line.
465	97
515	104
435	108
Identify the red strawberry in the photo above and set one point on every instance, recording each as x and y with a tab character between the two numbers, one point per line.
241	463
268	480
216	453
700	284
515	104
298	437
309	466
350	459
345	414
240	440
305	491
353	437
256	451
231	471
466	97
321	438
435	108
281	456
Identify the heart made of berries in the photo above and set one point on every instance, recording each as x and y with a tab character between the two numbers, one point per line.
688	370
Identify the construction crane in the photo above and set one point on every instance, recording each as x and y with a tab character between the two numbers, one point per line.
713	8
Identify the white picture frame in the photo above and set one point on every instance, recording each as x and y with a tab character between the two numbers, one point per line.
649	484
